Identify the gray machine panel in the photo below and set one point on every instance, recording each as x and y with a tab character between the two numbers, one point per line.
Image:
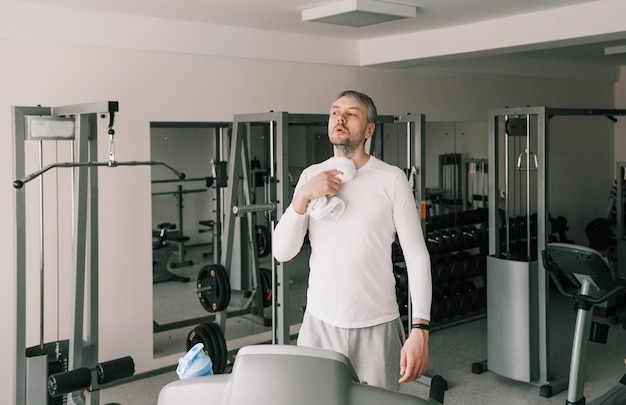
284	375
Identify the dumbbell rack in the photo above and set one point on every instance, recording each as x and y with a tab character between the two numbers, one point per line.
457	243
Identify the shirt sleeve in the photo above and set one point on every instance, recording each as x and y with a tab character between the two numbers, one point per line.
416	256
289	235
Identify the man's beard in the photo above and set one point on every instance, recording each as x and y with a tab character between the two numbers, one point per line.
348	145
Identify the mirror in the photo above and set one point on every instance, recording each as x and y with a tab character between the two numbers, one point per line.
183	217
456	165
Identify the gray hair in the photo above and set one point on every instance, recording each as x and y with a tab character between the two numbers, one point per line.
372	113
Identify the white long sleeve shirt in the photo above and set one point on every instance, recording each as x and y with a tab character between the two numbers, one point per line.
351	282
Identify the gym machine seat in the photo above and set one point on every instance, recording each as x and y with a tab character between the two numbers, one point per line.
162	249
598	282
177	239
286	375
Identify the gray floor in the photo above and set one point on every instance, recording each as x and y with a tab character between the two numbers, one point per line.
453	350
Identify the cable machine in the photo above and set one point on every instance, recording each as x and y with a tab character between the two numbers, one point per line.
46	365
518	333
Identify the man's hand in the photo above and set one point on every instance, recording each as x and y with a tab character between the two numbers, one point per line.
414	356
323	184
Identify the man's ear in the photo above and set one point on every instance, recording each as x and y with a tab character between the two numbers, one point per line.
370	130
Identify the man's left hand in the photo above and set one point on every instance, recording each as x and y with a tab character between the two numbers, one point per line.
414	356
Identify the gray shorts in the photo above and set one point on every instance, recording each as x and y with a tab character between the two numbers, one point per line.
373	351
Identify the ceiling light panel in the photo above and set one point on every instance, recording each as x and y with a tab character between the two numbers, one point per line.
358	13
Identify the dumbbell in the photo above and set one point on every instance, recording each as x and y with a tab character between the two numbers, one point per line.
446	241
479	299
437	312
441	272
439	307
439	268
452	307
464	290
402	278
470	266
433	242
445	301
458	266
444	290
456	269
467	236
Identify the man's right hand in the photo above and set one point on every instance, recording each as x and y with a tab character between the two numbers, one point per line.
323	184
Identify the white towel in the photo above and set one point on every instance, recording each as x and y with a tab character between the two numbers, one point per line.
333	207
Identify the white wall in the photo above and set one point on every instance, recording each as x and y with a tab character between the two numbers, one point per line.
152	86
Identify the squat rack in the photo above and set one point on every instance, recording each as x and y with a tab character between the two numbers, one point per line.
277	194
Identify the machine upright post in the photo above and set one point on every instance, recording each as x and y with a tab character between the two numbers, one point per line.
578	364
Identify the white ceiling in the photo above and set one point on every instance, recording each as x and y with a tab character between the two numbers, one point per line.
564	38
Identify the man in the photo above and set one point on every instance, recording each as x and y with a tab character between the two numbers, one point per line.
351	300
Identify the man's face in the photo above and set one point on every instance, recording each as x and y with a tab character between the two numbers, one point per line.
347	124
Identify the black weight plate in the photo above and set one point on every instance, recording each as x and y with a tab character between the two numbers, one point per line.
192	339
224	287
207	279
216	354
263	240
221	349
266	286
210	347
215	278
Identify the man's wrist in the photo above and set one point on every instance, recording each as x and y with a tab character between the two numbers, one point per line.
420	325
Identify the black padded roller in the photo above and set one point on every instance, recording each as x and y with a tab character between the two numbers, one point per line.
69	381
114	370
